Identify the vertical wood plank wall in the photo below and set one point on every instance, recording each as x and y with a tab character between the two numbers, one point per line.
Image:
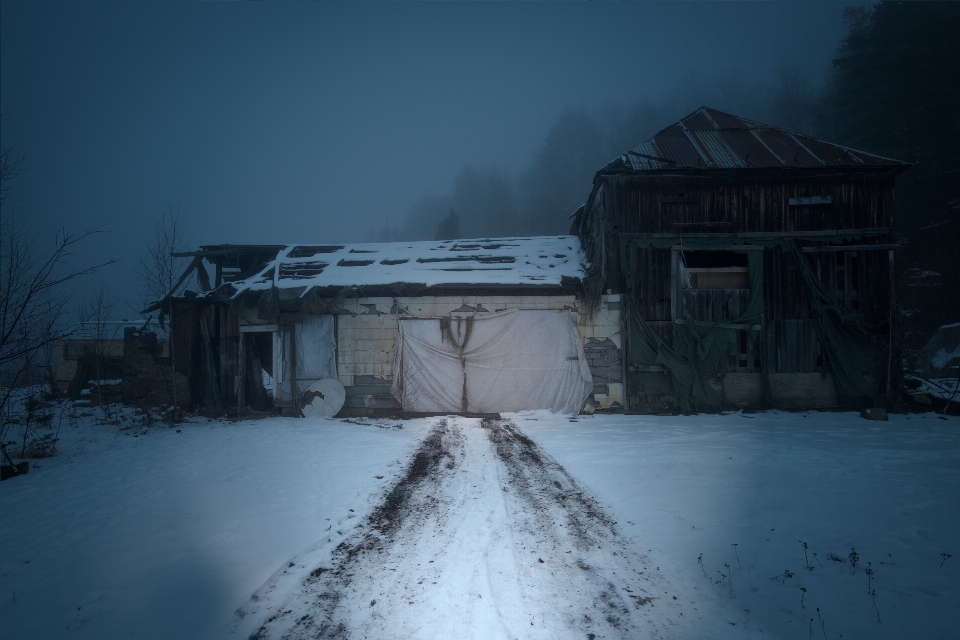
857	280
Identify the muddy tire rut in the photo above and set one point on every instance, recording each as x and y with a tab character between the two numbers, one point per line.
484	536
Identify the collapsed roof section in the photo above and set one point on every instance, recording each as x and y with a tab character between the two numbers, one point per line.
545	260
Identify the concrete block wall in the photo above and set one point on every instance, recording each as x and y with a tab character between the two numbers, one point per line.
366	341
602	346
602	325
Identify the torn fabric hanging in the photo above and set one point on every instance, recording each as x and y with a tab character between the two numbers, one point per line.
316	356
508	361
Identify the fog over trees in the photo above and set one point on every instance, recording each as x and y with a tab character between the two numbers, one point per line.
893	90
501	113
541	198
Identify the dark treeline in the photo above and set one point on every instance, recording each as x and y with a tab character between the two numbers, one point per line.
893	89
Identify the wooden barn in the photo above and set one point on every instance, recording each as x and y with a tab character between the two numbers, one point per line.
458	326
755	265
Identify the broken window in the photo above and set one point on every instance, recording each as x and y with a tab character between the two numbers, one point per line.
714	270
716	288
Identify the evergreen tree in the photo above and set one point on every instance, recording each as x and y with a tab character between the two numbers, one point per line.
897	93
487	203
449	228
560	178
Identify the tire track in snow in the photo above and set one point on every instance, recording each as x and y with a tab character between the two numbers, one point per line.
486	536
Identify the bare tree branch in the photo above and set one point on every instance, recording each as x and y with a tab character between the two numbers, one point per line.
30	305
158	270
10	164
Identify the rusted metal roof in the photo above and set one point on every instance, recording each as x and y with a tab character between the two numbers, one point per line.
711	139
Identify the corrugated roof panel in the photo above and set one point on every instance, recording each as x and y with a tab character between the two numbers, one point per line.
711	139
719	154
836	155
698	121
831	155
871	160
644	158
672	143
646	149
644	163
792	154
726	120
749	148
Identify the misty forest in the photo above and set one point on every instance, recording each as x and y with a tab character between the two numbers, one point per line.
568	320
889	91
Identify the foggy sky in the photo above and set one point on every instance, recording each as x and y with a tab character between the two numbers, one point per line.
281	123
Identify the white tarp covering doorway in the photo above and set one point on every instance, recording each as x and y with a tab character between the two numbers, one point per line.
507	361
316	355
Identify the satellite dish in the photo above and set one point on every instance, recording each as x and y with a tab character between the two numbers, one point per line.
323	399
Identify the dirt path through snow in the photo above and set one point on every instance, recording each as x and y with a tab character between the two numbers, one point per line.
486	536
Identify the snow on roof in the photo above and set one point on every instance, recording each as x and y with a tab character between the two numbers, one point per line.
541	260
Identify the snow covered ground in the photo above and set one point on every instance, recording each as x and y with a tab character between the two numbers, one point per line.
767	483
486	537
160	534
210	531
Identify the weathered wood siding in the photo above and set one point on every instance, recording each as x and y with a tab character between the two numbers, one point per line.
189	348
697	204
662	204
738	203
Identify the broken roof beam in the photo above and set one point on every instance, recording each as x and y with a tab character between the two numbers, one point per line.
159	304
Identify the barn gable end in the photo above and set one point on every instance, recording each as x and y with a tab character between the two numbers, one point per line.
755	265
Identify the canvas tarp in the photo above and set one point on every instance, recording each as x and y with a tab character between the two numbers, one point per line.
508	361
316	354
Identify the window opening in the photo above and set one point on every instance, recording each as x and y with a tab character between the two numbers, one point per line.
714	270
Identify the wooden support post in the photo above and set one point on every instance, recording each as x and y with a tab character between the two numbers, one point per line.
891	392
336	342
603	254
173	361
847	280
225	350
211	380
674	274
256	371
241	381
765	356
893	279
294	392
624	344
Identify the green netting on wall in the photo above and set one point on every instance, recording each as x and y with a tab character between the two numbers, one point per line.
852	355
